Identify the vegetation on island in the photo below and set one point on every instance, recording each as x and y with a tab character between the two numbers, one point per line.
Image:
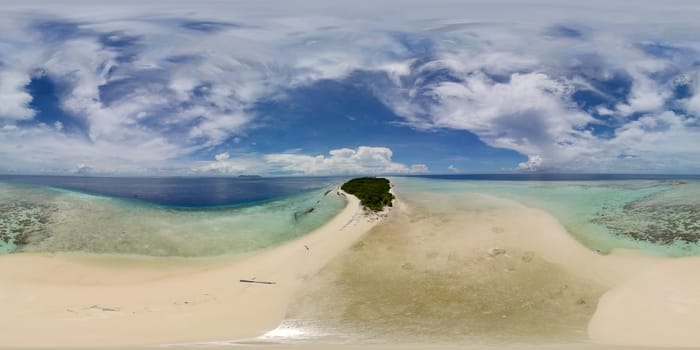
373	192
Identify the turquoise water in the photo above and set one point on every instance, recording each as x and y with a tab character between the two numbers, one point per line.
40	219
660	217
456	268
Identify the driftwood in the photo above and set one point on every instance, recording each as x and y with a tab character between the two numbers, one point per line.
258	282
103	308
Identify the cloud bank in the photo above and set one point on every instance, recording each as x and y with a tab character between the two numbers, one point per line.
363	160
146	89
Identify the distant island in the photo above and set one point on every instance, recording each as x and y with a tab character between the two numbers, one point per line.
373	192
249	176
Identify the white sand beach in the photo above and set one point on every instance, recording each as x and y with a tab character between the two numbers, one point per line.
78	300
500	273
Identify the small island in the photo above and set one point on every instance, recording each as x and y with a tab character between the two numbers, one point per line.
373	192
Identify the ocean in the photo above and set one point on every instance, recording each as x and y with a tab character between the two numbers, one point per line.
185	217
477	259
181	216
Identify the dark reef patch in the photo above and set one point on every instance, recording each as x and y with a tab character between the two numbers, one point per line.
24	222
663	218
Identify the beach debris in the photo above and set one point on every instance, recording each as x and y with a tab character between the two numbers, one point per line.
306	246
258	282
494	252
497	229
104	308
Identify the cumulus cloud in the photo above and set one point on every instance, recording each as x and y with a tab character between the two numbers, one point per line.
222	156
562	102
362	160
14	99
533	163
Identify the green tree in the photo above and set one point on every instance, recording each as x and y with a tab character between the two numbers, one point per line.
373	192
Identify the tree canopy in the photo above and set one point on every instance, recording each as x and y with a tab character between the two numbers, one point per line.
373	192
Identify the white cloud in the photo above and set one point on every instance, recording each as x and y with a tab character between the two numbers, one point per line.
533	163
14	99
83	169
528	113
692	104
417	169
646	96
523	98
656	142
42	149
363	160
222	156
453	169
493	71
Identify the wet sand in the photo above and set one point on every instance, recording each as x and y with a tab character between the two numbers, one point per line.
475	270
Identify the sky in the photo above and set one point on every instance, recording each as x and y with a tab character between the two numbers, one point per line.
313	87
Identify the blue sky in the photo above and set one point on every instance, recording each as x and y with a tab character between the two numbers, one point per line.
327	87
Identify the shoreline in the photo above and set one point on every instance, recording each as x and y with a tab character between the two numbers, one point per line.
89	300
71	301
636	299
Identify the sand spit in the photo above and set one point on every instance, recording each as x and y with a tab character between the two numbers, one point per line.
77	300
471	269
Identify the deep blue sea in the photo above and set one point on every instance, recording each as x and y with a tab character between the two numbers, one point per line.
181	191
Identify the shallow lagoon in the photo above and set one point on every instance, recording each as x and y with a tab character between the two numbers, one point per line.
453	267
660	217
45	219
